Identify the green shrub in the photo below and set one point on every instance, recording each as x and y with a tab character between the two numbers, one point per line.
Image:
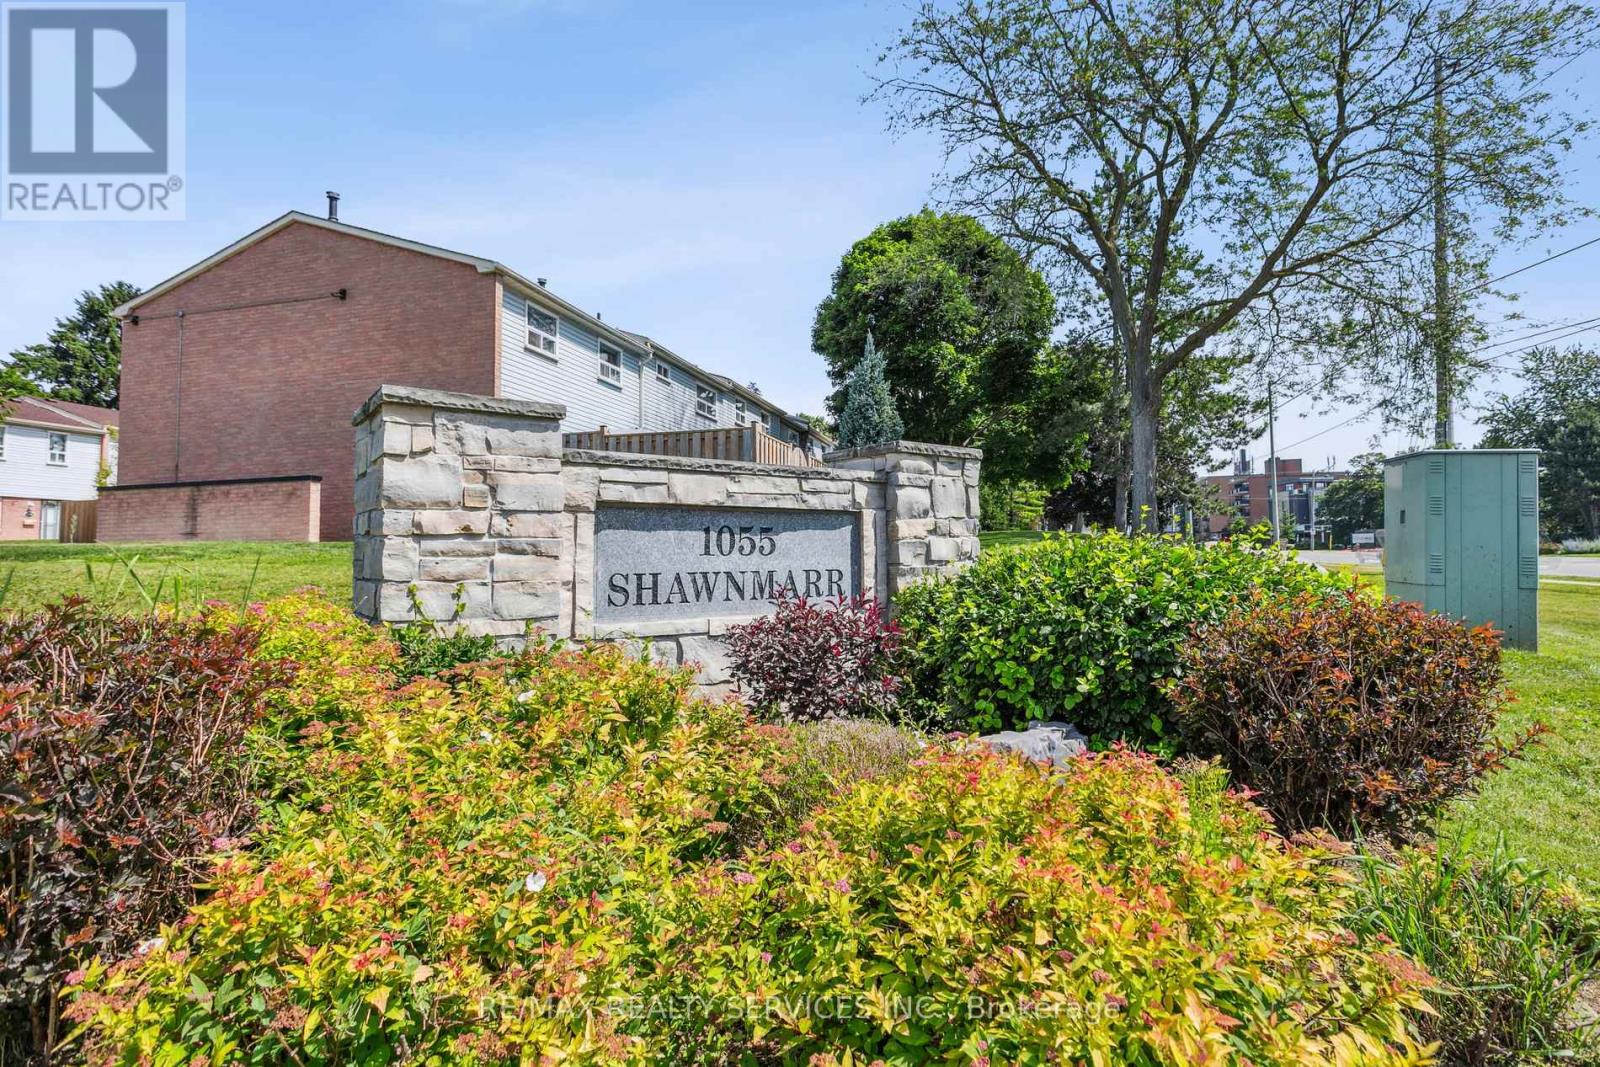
428	651
1082	628
122	763
827	758
1509	946
985	910
1345	712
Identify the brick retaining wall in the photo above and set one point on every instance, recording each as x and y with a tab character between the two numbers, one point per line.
266	509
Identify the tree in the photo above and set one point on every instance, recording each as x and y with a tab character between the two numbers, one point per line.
868	416
1200	170
81	360
1557	411
963	322
1356	502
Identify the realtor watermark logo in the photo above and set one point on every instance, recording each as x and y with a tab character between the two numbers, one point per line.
92	104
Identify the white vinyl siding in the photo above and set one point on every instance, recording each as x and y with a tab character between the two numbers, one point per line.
27	471
575	375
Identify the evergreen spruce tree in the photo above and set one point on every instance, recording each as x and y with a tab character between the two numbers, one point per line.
869	416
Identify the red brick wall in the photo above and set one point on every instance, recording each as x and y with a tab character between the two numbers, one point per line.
270	390
228	511
13	513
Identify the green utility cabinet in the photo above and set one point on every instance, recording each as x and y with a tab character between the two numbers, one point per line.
1461	536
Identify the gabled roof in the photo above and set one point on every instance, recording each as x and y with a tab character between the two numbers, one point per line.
61	414
637	341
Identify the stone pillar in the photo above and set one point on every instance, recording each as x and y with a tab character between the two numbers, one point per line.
458	495
930	506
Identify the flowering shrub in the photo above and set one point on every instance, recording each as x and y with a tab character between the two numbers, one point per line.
468	875
122	747
1346	712
1083	628
812	659
984	910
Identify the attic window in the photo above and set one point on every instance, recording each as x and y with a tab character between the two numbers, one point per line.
610	365
663	372
543	329
705	402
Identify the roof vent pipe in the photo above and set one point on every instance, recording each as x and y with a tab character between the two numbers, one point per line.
333	206
542	282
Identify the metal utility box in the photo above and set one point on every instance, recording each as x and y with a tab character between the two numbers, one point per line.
1461	536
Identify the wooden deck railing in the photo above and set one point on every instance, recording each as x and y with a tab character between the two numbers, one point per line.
747	444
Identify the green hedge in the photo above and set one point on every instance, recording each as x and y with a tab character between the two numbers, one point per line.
1081	628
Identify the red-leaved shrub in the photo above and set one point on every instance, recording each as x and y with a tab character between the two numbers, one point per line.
120	765
1346	712
818	659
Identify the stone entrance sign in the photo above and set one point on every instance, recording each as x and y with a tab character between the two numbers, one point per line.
656	563
470	508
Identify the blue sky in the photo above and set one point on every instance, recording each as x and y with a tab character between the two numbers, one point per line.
690	171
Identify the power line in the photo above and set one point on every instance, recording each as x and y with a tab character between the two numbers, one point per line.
1336	426
1495	362
1536	263
1530	336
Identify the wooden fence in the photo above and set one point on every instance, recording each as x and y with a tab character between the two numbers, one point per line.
78	520
746	444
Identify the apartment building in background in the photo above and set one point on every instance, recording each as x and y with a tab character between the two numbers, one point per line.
1246	494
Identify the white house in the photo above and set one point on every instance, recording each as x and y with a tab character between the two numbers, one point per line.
51	451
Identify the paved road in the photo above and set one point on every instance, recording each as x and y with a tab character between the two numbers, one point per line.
1563	566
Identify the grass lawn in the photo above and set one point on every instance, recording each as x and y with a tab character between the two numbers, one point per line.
1548	805
1008	538
34	573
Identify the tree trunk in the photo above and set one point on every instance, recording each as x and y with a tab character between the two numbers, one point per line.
1142	409
1119	491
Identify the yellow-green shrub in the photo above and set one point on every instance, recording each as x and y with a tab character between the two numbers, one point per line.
465	877
984	910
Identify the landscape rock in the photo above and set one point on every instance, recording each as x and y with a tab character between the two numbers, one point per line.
1046	742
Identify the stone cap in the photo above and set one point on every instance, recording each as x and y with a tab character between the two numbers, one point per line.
914	448
701	465
448	401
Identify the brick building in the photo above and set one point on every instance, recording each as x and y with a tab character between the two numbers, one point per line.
240	374
1246	495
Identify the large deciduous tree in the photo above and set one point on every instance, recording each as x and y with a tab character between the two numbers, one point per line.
1196	168
961	320
1557	411
81	360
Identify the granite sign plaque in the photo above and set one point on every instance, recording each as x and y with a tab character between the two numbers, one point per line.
655	563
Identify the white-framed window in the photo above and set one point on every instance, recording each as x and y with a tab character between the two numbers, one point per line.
738	413
705	402
58	448
663	372
2	442
543	328
610	365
